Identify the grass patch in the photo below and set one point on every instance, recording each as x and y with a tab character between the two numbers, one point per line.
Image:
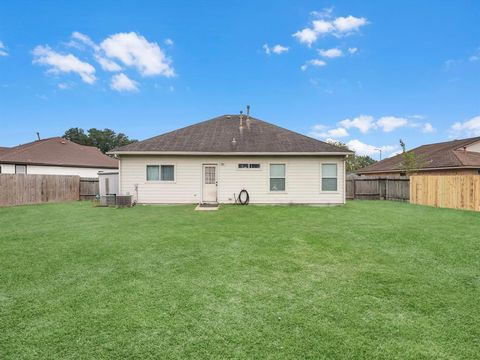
366	280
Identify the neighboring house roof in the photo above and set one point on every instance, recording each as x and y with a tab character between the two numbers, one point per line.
57	152
450	154
3	150
223	135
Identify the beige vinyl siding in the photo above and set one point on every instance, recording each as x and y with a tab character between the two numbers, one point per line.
303	179
8	168
55	170
474	147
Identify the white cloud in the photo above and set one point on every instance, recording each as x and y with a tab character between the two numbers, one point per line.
134	50
121	82
470	127
349	24
353	50
322	132
427	128
390	123
475	56
107	64
3	49
85	39
63	86
313	62
365	149
330	53
306	36
363	123
278	49
418	117
266	48
325	13
395	153
340	26
60	63
168	42
322	26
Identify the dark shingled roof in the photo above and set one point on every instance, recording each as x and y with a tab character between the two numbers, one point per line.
3	150
216	136
448	154
57	152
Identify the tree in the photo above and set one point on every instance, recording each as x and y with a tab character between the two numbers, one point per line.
411	162
76	135
105	139
353	162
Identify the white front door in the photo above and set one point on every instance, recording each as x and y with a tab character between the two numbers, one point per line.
209	181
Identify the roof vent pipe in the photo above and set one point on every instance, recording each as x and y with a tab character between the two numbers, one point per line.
234	142
241	123
38	135
248	117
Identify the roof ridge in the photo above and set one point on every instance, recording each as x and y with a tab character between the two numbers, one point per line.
303	135
473	139
19	149
454	151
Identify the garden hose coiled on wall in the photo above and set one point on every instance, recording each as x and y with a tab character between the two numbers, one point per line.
243	197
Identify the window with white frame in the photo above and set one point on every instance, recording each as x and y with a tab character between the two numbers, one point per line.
167	173
248	166
20	169
329	177
153	172
160	173
277	177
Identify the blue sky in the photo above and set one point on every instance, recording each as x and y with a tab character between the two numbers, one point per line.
366	73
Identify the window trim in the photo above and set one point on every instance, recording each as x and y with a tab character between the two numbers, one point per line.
160	174
269	178
22	173
321	178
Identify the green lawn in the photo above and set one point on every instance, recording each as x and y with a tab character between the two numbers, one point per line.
366	280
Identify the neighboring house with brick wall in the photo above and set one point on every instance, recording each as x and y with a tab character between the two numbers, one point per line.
446	158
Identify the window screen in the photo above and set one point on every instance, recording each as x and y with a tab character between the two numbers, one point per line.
153	172
329	177
277	177
20	169
168	173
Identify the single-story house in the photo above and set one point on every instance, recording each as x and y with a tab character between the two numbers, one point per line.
455	157
55	156
212	161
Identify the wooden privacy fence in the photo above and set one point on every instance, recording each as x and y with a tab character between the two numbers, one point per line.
88	188
377	188
19	189
448	191
16	189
